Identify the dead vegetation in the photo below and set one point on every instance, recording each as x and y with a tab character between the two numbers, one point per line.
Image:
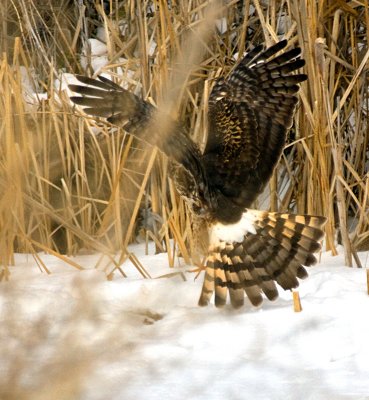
68	184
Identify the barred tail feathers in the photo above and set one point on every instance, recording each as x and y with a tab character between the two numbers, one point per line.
261	249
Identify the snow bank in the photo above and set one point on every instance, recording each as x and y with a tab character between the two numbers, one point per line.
136	338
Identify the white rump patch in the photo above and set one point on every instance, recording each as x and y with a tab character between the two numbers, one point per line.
235	232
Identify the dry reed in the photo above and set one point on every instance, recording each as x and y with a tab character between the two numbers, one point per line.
66	188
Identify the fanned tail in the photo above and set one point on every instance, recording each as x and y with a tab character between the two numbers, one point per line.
271	247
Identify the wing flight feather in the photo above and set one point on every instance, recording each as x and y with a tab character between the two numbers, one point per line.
249	115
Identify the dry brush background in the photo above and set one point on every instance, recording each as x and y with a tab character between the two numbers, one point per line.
68	184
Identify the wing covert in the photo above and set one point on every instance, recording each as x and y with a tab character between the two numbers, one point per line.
249	115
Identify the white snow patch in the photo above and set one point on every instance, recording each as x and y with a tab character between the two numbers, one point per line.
32	96
64	80
96	47
284	24
152	48
221	25
95	52
147	338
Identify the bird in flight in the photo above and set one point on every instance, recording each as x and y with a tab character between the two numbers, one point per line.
250	112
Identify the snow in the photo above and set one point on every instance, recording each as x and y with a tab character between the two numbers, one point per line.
136	338
94	52
32	96
73	334
221	25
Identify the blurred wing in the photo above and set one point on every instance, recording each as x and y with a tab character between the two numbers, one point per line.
249	115
104	98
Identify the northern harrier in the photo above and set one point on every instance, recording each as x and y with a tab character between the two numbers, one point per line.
250	112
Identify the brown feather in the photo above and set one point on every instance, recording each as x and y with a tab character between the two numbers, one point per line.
281	245
250	112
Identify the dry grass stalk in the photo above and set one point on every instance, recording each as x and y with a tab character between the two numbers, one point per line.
71	189
65	188
296	301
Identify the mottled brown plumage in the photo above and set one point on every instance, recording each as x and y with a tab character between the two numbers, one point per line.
277	251
250	112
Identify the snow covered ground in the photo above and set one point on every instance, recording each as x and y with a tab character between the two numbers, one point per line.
75	335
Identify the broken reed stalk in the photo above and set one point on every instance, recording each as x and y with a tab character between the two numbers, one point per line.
296	301
74	189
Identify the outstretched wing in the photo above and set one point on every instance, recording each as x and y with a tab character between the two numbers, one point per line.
104	98
249	115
